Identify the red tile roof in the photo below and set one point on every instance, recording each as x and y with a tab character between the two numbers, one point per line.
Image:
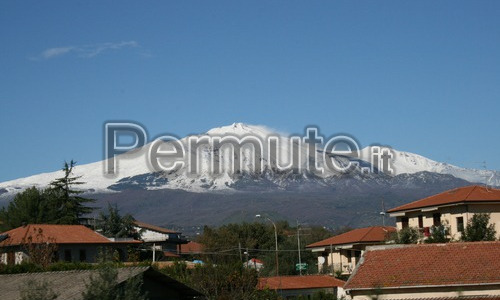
473	193
170	254
191	248
298	282
399	266
256	260
360	235
153	227
59	234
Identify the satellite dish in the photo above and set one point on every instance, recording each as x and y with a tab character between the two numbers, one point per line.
321	260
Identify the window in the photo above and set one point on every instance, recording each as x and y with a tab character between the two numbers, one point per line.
67	255
420	221
460	224
404	222
83	255
349	256
436	219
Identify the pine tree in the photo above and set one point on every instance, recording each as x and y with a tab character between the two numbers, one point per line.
112	224
71	206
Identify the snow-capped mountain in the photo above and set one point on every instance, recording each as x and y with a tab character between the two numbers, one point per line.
133	171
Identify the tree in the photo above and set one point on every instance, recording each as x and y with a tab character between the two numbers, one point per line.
40	248
105	286
32	206
71	206
112	224
221	282
479	229
37	290
408	235
438	235
58	204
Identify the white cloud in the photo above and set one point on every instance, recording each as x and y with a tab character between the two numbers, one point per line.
86	51
53	52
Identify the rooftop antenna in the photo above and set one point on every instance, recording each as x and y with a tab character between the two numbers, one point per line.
382	213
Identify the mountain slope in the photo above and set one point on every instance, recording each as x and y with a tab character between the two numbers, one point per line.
134	173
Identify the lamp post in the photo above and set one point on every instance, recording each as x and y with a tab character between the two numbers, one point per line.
276	242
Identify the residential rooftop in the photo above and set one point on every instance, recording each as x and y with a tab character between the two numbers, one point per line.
58	234
468	194
405	266
357	236
298	282
69	285
154	227
191	248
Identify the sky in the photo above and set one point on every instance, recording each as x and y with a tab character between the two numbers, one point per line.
420	76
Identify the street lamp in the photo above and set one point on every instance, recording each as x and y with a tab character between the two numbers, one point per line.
276	242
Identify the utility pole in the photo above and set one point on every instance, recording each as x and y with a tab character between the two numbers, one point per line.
298	246
239	248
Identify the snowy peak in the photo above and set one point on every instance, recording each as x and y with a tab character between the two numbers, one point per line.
134	172
242	129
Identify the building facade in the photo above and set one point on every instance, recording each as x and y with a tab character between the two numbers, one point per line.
70	243
341	253
452	209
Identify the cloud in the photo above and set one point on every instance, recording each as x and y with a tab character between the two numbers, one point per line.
53	52
85	51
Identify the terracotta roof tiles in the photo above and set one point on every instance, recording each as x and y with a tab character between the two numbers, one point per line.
299	282
60	234
360	235
473	193
427	265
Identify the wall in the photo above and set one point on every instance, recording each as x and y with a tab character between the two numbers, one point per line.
449	215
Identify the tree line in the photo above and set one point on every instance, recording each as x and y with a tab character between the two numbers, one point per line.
60	203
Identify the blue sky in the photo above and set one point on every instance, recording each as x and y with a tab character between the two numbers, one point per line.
421	76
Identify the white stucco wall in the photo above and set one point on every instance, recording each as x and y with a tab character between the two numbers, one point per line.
449	215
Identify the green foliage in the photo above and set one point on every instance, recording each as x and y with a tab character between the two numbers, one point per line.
409	235
112	224
30	267
59	204
223	276
105	286
32	206
438	235
72	206
37	290
223	245
220	281
479	229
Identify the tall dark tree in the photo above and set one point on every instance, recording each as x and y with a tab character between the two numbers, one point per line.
72	208
112	224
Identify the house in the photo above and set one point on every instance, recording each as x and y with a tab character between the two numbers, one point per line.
254	263
453	209
160	239
69	285
341	253
428	271
290	287
191	248
70	243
